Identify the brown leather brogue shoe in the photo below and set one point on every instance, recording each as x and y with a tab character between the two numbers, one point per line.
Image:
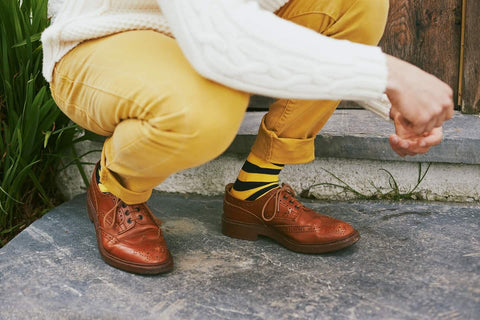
128	236
281	217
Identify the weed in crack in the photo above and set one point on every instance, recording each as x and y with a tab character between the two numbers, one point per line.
393	193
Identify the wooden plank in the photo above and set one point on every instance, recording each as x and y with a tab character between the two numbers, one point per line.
427	34
471	74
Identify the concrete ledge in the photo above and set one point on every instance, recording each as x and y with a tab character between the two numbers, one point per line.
359	134
443	182
354	147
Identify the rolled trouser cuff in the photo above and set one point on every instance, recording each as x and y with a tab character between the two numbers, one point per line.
268	146
108	179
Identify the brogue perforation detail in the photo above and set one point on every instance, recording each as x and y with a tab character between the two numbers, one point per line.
281	217
128	236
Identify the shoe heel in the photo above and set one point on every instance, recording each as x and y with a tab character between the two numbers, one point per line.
238	231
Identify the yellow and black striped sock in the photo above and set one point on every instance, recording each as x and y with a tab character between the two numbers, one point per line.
256	178
97	178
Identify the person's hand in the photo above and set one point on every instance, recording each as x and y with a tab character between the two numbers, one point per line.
406	142
423	100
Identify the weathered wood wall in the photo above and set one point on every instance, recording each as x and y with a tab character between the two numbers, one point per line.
427	34
471	74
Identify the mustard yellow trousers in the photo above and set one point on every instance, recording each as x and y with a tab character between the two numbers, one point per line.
161	117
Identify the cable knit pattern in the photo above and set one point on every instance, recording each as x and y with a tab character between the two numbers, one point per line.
239	43
54	7
272	56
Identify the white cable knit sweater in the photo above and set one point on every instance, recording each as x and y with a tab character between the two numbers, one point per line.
239	43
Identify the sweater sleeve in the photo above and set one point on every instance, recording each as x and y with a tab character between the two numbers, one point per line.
240	45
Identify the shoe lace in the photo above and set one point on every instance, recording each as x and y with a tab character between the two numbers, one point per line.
129	209
287	193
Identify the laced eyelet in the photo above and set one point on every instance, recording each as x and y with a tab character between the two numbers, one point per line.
137	208
277	197
127	212
124	205
129	220
140	217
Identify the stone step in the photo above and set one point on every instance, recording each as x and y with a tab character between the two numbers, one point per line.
352	147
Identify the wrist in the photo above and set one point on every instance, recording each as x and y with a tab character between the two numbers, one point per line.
393	86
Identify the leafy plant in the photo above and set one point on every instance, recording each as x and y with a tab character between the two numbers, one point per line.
33	131
393	193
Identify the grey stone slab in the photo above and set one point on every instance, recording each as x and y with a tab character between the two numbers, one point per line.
359	134
414	261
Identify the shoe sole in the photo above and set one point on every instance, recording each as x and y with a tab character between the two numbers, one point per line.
120	263
245	231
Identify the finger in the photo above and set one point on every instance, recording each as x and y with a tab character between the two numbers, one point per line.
399	152
433	139
450	111
394	140
399	143
445	114
404	128
416	147
393	113
404	144
412	149
407	152
437	123
430	139
419	128
402	147
419	150
431	125
450	105
426	124
408	146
